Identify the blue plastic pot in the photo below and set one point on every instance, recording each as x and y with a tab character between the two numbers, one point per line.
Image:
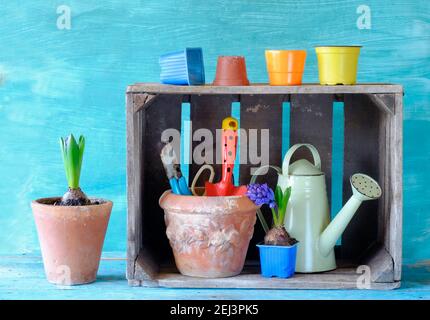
277	261
183	67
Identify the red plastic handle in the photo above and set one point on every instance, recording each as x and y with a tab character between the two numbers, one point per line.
229	145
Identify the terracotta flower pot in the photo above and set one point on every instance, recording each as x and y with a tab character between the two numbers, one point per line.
285	67
231	71
209	235
71	239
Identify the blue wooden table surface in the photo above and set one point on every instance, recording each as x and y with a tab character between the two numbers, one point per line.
22	277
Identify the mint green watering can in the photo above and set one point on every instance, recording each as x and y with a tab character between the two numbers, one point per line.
308	216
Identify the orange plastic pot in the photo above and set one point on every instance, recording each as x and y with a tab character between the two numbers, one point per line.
231	71
209	235
285	67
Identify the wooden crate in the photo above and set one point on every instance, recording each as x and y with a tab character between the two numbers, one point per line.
372	145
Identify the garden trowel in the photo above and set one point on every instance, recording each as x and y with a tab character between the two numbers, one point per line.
229	139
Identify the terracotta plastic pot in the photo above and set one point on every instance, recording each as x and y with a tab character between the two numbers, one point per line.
337	64
285	67
231	71
71	239
209	235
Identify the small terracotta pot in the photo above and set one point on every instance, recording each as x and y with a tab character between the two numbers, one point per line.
285	67
71	239
209	235
231	71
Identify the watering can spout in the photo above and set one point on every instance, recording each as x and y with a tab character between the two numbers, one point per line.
337	226
363	188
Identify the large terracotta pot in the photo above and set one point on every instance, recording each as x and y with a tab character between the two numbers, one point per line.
71	239
209	235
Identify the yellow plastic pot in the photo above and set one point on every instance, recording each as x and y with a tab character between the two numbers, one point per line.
337	64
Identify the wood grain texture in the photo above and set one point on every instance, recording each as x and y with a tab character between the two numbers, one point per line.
395	247
259	112
348	280
264	88
311	121
164	113
134	183
207	112
381	264
361	155
25	279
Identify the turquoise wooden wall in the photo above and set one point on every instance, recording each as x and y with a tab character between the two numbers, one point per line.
58	81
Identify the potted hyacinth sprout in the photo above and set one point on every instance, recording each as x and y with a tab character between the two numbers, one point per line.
278	252
72	228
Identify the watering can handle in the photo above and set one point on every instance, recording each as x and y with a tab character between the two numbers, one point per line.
290	152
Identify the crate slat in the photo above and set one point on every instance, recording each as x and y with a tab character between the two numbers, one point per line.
306	88
361	135
311	121
164	113
208	112
261	112
395	174
347	279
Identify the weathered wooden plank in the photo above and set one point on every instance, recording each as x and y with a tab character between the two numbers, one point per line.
266	89
143	101
258	112
146	266
134	185
383	176
134	283
311	121
380	263
395	208
346	280
165	113
207	113
361	134
385	102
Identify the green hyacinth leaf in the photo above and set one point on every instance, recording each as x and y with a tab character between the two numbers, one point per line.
64	156
278	196
286	197
72	152
73	162
81	146
284	203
